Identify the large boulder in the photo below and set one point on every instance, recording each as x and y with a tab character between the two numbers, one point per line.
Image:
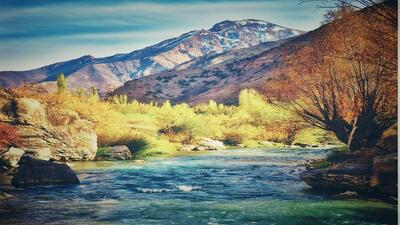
339	177
119	152
79	134
70	144
205	144
33	172
210	144
385	174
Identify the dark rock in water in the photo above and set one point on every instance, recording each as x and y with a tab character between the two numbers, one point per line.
33	172
339	177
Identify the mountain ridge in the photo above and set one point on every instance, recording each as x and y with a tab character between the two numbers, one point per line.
107	73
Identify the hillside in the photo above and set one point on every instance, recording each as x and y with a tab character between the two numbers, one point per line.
110	72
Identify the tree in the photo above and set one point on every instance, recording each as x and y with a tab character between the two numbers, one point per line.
123	99
94	93
61	82
345	79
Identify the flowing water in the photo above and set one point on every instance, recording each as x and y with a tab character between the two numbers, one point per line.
222	187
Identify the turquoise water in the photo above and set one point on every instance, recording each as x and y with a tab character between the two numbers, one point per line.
222	187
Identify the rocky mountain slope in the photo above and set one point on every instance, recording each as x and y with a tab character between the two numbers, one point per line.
110	72
220	77
203	79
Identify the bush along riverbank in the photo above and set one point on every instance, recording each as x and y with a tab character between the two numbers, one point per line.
67	126
368	172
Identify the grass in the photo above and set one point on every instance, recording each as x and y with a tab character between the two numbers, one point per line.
315	136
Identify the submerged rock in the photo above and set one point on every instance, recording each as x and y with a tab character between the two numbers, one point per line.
33	172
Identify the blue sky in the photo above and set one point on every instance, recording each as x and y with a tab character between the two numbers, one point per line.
34	33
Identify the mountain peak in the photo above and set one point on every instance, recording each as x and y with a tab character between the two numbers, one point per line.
236	24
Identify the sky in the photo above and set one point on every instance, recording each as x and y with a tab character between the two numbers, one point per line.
34	33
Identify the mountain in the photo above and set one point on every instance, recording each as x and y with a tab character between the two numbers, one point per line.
203	79
221	77
110	72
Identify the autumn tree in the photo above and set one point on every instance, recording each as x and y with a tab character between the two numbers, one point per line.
345	79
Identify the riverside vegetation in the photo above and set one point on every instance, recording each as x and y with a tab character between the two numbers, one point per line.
149	129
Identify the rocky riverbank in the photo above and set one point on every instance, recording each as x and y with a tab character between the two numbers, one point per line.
35	135
365	172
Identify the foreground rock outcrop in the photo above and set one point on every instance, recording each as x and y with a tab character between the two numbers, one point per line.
340	177
384	176
45	131
365	172
33	172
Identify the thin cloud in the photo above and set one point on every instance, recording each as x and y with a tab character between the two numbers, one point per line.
104	29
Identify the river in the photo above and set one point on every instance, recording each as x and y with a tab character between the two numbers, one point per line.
244	186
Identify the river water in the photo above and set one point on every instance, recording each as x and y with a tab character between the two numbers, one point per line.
223	187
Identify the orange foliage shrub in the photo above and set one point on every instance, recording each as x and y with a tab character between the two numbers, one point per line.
8	136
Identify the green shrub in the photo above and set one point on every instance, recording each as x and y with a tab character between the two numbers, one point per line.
102	152
232	139
137	145
178	133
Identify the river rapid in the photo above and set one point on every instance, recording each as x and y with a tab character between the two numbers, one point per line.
244	186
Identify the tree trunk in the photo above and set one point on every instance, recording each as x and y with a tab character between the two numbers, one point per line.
351	135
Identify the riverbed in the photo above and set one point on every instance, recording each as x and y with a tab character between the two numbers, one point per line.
244	186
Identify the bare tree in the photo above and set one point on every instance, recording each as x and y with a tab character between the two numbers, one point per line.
345	79
378	8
